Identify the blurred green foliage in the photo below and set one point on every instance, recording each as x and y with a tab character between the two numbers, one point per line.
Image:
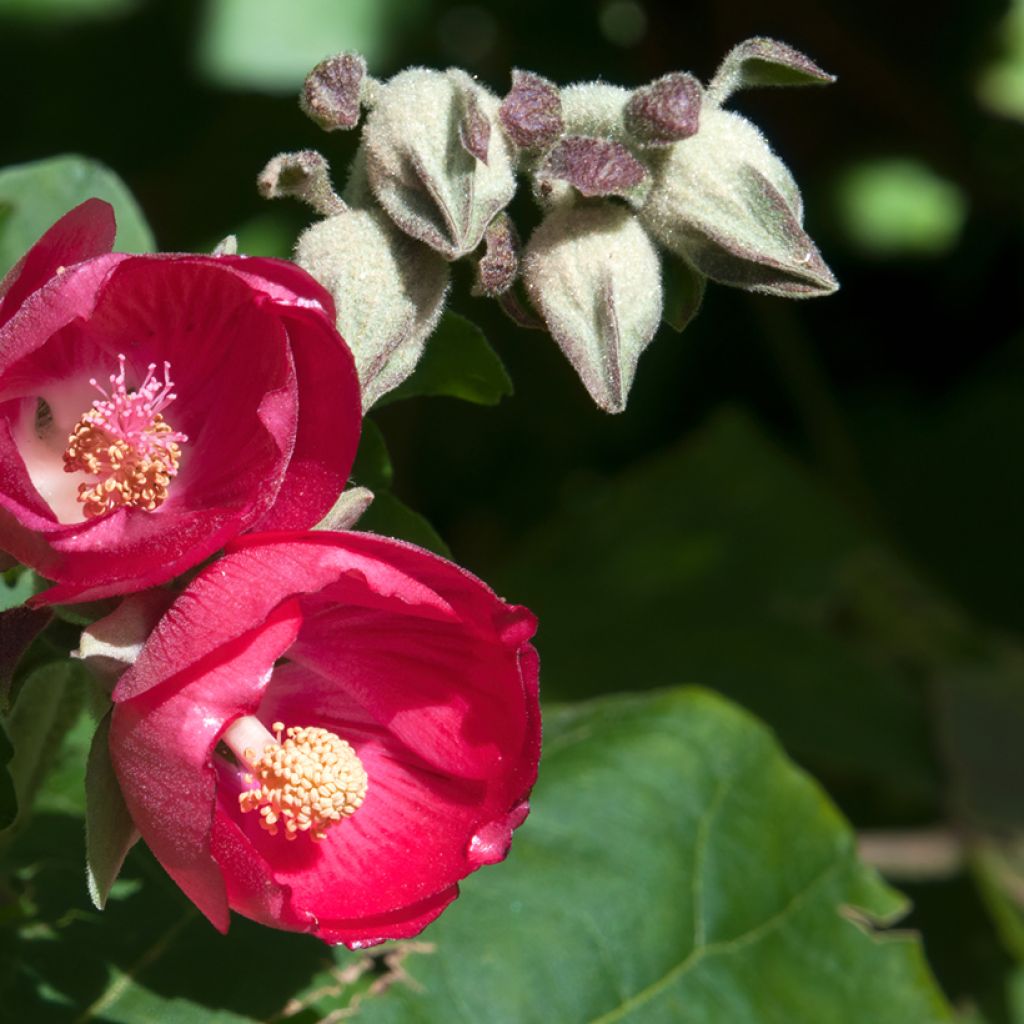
1001	84
270	45
900	207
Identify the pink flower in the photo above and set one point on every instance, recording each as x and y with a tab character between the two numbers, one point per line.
153	407
402	696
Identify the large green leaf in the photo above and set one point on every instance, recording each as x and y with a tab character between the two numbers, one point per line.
676	867
33	196
721	562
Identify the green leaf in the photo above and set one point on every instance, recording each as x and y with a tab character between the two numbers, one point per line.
109	830
1016	996
270	46
17	585
19	627
393	518
8	796
458	363
998	868
720	562
373	467
49	704
684	293
38	193
676	867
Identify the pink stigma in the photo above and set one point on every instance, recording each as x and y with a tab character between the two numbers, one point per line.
125	443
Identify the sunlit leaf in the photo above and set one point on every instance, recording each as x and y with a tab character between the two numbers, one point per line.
48	706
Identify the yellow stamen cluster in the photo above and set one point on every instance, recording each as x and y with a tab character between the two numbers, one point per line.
308	782
128	477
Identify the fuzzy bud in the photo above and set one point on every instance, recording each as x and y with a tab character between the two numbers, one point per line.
762	61
594	167
596	109
347	510
330	95
112	644
595	277
729	206
531	113
303	175
388	290
665	111
498	268
423	143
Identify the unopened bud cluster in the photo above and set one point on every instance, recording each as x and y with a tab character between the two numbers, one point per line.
619	175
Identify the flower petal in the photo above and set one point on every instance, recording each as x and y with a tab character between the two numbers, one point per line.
161	745
84	232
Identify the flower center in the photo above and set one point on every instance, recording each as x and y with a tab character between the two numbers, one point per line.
124	441
306	781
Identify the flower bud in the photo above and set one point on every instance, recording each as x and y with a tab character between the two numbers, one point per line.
594	167
597	109
303	175
595	277
432	160
728	205
531	113
498	268
332	89
112	644
388	291
665	111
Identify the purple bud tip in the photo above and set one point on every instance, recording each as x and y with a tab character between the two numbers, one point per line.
499	266
330	95
665	111
475	130
531	113
594	167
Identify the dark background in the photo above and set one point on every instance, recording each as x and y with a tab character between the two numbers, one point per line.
815	507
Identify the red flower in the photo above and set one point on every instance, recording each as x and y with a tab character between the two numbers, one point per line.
153	407
407	693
